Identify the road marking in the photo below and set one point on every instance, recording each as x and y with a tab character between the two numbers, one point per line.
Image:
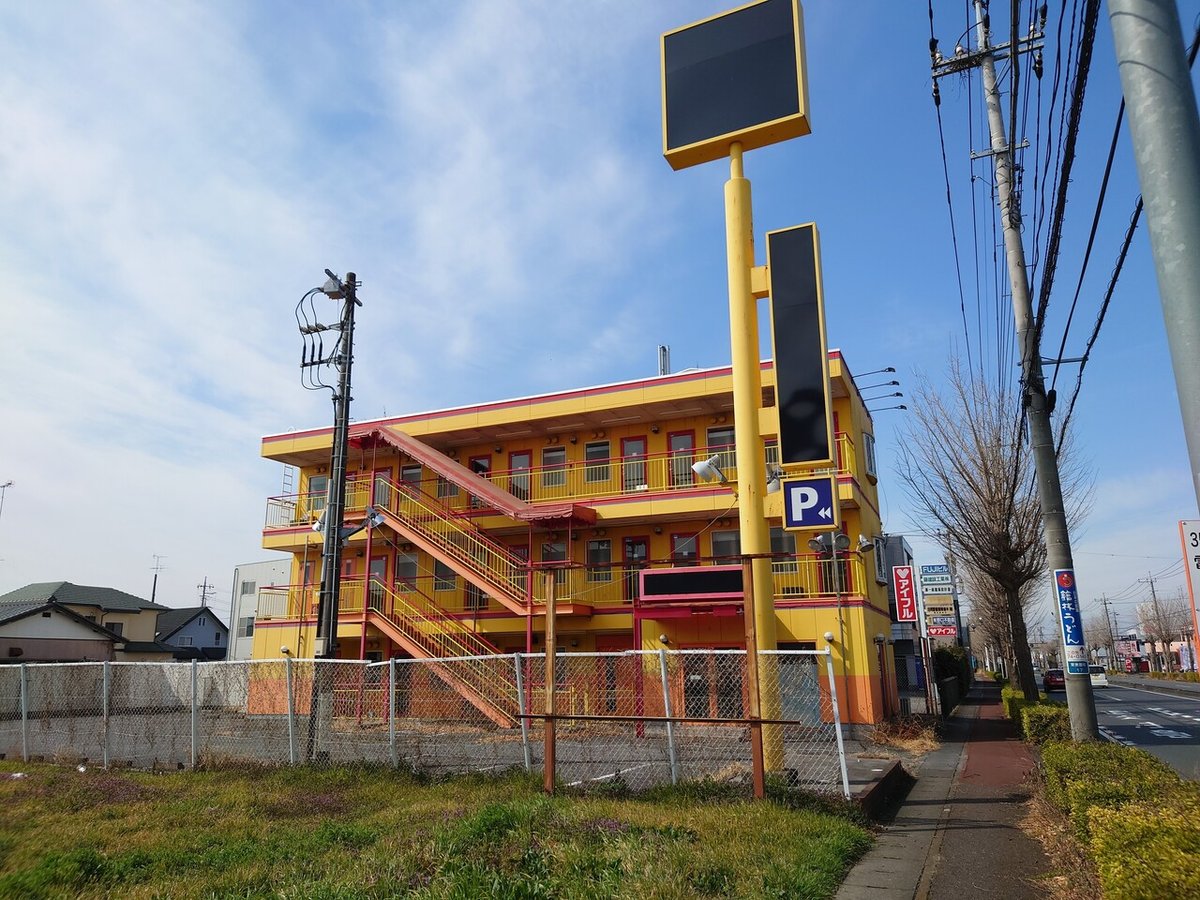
1160	694
1168	733
1116	738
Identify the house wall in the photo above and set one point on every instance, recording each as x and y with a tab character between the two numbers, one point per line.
205	630
139	625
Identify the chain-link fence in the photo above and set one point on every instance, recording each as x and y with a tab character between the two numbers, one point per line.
643	717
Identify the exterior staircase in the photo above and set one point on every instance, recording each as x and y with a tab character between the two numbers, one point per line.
456	541
425	631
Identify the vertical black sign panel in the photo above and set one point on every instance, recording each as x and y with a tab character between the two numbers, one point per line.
801	361
736	76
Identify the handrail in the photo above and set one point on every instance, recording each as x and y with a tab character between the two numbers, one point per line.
575	480
458	535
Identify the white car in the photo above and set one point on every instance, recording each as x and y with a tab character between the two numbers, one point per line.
1099	678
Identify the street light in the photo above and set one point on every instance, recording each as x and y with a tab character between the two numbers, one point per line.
831	545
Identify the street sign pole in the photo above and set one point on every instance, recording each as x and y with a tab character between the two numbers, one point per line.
1189	537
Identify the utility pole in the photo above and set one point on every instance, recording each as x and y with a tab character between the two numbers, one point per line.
206	590
1165	129
342	355
1041	435
1108	620
1160	633
156	568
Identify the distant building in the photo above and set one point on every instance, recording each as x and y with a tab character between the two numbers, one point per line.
249	580
193	633
132	621
46	632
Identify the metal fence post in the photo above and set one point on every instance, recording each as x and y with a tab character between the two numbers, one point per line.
666	691
195	717
523	712
392	712
837	722
291	710
24	714
106	688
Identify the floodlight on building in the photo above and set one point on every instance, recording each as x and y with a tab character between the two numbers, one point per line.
710	469
865	545
775	475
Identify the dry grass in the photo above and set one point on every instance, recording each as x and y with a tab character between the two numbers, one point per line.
911	734
1073	877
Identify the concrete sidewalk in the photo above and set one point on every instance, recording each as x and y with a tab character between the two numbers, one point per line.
955	834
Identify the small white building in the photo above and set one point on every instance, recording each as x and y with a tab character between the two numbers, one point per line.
248	580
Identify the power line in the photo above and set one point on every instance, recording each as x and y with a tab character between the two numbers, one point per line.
937	105
1129	232
1079	88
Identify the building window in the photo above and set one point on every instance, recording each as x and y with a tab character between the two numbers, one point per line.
476	598
411	475
90	618
406	570
783	545
683	548
596	456
202	621
446	489
881	573
318	492
599	560
248	588
444	578
726	545
216	639
556	552
185	640
554	467
246	626
720	442
117	628
869	453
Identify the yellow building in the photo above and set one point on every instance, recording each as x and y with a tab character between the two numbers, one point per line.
595	485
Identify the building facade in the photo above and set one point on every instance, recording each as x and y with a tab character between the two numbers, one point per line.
591	491
248	580
132	621
194	632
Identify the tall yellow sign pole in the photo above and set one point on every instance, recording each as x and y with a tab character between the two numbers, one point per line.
751	464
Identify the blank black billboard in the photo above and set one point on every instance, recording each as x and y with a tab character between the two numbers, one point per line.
698	582
801	364
729	74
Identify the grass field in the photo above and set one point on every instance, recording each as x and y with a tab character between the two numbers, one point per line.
348	833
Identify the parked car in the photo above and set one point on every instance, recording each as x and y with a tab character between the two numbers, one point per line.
1099	676
1054	680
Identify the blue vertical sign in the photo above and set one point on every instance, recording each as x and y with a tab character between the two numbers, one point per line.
1067	595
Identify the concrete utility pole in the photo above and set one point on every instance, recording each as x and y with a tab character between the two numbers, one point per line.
331	553
1041	435
1163	123
1112	638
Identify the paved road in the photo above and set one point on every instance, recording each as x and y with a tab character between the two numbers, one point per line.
1163	724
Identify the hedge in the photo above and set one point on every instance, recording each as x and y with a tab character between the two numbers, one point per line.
1044	722
953	662
1013	699
1149	850
1083	777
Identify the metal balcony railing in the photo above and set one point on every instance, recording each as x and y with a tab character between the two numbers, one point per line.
576	480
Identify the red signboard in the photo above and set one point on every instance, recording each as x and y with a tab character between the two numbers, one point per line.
906	593
943	631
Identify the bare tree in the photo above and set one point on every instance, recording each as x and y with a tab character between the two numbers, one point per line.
1164	620
965	465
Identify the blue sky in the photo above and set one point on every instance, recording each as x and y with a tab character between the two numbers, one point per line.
174	177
